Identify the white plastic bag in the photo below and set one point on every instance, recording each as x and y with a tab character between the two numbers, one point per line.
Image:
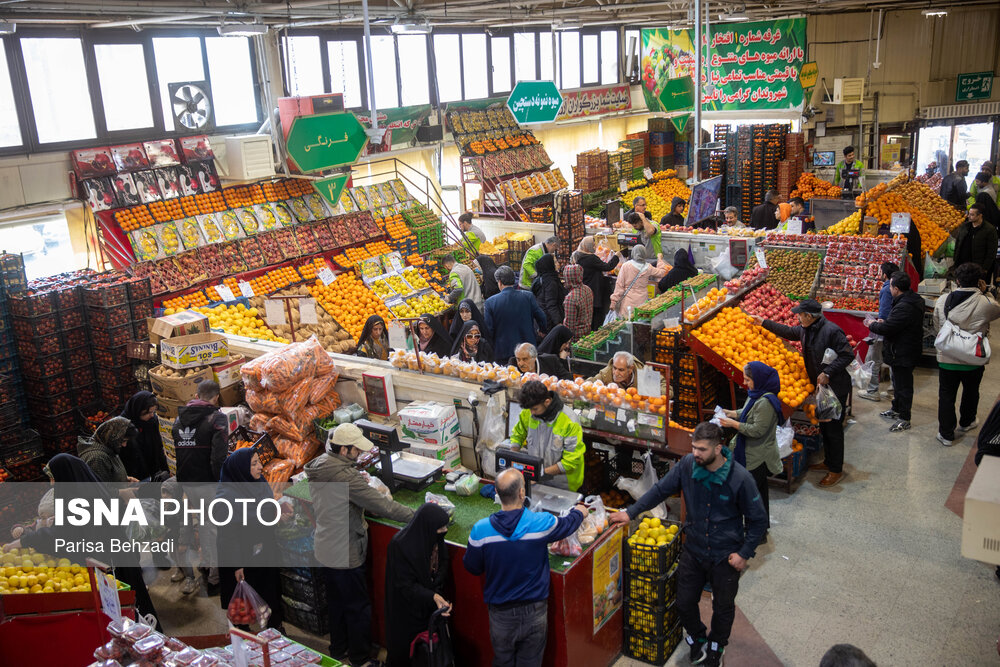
934	268
441	501
785	434
861	373
594	523
637	488
717	415
492	433
722	267
829	356
467	485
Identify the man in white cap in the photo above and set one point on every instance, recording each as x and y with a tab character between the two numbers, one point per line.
347	593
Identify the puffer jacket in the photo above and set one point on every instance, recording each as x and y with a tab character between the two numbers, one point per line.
815	338
329	520
903	330
973	313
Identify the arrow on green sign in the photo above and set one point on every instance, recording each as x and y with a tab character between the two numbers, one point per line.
677	94
325	141
535	102
331	188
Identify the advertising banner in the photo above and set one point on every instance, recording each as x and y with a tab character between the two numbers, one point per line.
400	123
594	101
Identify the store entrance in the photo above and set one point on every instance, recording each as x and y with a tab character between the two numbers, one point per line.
944	146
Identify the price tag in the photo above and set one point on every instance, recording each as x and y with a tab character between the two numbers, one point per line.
622	415
274	312
110	604
225	293
648	382
671	322
240	658
900	223
307	311
761	259
397	335
245	289
326	275
623	185
793	226
648	173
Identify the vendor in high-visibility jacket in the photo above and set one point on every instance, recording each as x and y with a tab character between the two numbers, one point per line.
473	235
549	430
848	163
462	283
550	245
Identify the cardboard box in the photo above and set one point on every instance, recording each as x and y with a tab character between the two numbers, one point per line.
166	428
430	423
981	521
448	453
181	389
231	396
167	407
232	417
228	374
184	323
194	350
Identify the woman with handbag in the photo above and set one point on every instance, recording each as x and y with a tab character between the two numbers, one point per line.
970	310
631	289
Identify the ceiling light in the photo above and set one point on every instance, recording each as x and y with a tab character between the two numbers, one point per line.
934	12
410	27
242	29
734	17
7	28
567	25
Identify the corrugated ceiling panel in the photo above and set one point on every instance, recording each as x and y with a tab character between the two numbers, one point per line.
964	42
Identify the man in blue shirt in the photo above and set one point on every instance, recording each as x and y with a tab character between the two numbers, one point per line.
875	341
725	522
511	548
512	315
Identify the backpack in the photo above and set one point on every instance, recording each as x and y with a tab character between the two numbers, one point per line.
432	647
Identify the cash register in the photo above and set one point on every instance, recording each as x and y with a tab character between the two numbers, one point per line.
398	468
540	498
852	182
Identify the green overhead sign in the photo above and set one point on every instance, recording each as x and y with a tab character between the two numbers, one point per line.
535	102
677	94
325	141
331	188
974	86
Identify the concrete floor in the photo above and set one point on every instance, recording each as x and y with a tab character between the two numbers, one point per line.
873	562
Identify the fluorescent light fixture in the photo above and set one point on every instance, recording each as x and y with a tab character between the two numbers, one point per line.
7	28
567	25
242	29
928	13
406	27
734	17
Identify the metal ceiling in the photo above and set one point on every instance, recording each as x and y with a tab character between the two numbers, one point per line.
469	13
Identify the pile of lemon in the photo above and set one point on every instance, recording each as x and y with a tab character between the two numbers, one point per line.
652	533
427	303
25	571
847	226
239	320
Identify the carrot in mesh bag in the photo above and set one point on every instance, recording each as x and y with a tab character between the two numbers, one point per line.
263	401
283	368
329	403
299	452
283	426
324	364
250	371
259	421
322	385
278	471
296	398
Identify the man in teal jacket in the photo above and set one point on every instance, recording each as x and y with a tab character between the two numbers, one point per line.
550	245
552	432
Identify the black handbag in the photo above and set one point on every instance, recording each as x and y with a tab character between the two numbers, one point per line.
432	648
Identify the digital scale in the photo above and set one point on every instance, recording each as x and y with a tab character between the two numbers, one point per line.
739	252
396	467
540	498
628	240
852	182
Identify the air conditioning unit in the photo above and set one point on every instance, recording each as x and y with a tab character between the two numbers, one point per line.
249	156
848	91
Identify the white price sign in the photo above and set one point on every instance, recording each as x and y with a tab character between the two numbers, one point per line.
648	173
245	289
274	312
108	590
648	382
623	185
761	259
307	311
900	223
225	293
326	275
397	335
793	226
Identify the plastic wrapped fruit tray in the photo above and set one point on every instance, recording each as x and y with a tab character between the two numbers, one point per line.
109	317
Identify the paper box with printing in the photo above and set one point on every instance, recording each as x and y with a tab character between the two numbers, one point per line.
430	423
195	350
448	453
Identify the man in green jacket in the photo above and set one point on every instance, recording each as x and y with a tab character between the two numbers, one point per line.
847	164
549	245
473	235
549	430
462	282
341	542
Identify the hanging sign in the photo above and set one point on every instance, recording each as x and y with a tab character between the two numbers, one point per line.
974	86
677	94
535	102
326	275
326	141
225	293
331	188
110	604
274	312
761	259
594	101
680	122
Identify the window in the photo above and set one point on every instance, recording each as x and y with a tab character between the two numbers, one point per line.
384	71
10	133
45	244
413	69
609	57
121	71
345	75
231	72
591	59
524	56
545	52
177	59
57	82
500	50
474	66
634	51
569	63
448	68
303	69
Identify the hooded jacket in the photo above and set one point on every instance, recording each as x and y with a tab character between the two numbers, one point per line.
201	436
557	441
548	290
673	218
815	338
463	285
511	548
362	498
578	306
903	330
631	288
682	270
970	310
102	451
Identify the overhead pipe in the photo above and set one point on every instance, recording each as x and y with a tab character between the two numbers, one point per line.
155	20
697	84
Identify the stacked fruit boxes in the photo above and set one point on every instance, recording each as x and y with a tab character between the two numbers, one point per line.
569	222
661	149
619	167
652	626
12	281
591	171
109	316
303	598
686	371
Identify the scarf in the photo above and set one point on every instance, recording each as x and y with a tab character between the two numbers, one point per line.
555	407
235	478
766	384
707	477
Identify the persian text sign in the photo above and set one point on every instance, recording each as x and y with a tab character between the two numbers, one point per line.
974	86
594	101
535	102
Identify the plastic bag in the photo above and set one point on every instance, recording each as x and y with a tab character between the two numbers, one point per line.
569	546
718	414
467	485
934	268
324	364
441	501
637	488
295	399
829	356
595	523
828	406
259	421
278	471
492	433
379	486
861	373
321	386
246	607
722	267
299	452
784	434
281	369
285	428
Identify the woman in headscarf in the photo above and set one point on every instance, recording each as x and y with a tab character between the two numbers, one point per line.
557	342
242	479
991	212
631	288
471	345
143	456
374	340
101	452
683	269
429	336
783	212
468	311
489	267
416	570
756	446
594	278
548	289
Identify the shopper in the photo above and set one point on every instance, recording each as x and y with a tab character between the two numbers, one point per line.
725	522
594	269
796	207
763	216
488	267
549	430
681	271
430	337
471	345
511	548
848	163
473	235
102	451
242	481
347	591
416	569
756	447
374	340
143	456
512	315
972	310
632	288
462	282
201	440
988	441
976	242
676	215
816	333
988	205
875	341
557	342
953	187
527	360
914	249
732	218
578	306
467	311
548	290
549	245
986	183
649	233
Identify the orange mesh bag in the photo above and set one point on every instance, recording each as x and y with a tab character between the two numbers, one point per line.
322	385
283	368
284	427
324	364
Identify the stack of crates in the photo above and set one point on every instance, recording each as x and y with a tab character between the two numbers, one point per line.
109	318
12	281
637	147
652	625
686	369
303	599
591	171
569	222
661	148
639	143
732	170
619	167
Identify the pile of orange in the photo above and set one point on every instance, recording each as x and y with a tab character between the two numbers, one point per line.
164	211
870	196
312	267
734	335
394	226
130	219
189	206
299	187
349	302
274	190
244	195
274	280
715	296
932	235
210	202
186	301
808	186
414	260
924	199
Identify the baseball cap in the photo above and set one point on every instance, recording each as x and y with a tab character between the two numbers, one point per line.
808	306
349	435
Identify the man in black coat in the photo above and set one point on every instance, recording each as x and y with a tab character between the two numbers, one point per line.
527	360
903	331
762	217
816	334
976	241
954	189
